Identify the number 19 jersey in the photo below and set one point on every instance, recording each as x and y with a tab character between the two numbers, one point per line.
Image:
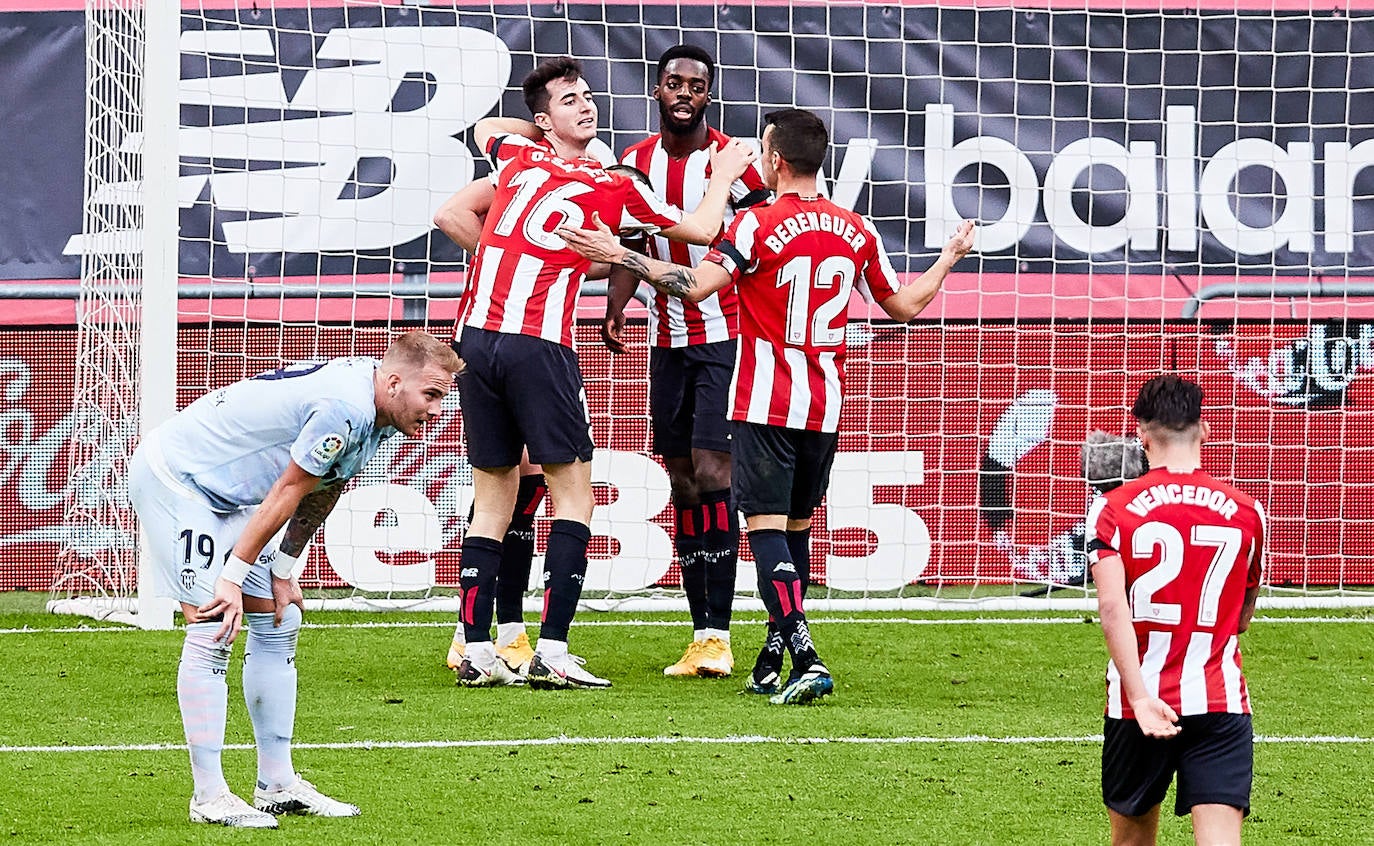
1191	546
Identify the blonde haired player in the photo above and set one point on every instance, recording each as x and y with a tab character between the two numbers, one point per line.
212	486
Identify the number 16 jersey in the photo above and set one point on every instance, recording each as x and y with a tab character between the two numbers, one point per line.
525	279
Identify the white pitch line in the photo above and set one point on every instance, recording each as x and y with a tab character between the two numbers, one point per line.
728	740
615	624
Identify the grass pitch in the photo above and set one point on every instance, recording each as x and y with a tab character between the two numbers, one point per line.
943	733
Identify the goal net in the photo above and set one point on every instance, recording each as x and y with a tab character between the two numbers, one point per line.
1158	188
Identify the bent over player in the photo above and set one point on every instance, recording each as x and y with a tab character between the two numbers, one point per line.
212	486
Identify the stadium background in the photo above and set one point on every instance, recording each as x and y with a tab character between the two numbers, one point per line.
1286	379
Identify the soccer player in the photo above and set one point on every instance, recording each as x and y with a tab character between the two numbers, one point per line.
1176	555
461	218
691	359
794	262
212	486
522	389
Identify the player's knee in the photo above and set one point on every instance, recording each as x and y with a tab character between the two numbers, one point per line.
265	634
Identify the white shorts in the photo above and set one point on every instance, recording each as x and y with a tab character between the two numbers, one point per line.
187	540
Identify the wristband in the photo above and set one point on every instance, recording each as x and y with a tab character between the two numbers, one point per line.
235	570
284	566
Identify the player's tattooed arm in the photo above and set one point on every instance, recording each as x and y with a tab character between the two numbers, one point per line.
309	516
673	280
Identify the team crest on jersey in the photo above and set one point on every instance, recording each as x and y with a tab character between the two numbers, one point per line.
188	578
328	448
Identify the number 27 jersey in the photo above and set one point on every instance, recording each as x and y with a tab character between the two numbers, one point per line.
1191	546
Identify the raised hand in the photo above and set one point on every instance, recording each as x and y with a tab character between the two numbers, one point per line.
733	159
960	243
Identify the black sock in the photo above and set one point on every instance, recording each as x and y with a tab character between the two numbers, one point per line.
689	540
769	661
481	560
780	588
799	544
517	551
720	555
565	566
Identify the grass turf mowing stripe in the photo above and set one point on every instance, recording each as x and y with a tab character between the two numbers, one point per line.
671	740
905	621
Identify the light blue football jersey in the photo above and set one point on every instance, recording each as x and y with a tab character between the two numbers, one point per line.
232	445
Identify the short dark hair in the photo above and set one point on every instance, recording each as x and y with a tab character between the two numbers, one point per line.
687	51
800	138
632	172
535	84
1169	402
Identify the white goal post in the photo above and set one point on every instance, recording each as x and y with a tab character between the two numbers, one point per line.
1158	188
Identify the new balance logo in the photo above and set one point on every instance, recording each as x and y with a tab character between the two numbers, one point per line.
785	567
468	573
343	165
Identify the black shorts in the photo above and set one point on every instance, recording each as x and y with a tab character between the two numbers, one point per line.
780	471
517	391
1213	756
689	395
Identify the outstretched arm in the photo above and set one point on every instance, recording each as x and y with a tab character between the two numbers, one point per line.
703	224
685	283
912	299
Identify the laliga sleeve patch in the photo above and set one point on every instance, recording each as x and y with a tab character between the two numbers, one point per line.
328	448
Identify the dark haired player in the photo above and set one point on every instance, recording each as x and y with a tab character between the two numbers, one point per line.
794	262
1177	556
691	359
523	388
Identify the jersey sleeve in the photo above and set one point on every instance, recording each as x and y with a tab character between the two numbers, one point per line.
735	250
644	210
1103	537
878	281
502	149
1256	569
323	438
748	190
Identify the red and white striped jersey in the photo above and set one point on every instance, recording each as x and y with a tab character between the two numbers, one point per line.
795	262
524	279
1191	546
682	182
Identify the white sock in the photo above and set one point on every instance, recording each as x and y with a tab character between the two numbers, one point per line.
718	634
698	635
269	689
203	694
482	653
552	648
460	634
506	633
